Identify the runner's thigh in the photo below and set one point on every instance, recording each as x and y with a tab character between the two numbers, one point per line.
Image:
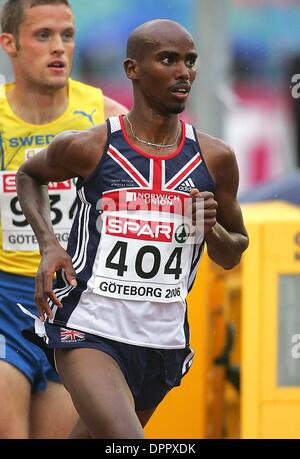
15	389
100	392
52	413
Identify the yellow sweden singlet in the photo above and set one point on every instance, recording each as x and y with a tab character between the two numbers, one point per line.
18	141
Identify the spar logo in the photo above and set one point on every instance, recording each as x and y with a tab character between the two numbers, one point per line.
140	229
9	184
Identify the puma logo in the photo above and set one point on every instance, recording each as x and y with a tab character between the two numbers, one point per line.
88	116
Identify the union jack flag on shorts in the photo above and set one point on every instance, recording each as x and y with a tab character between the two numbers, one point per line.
71	336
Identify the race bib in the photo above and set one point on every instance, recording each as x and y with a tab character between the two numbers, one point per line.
143	259
17	234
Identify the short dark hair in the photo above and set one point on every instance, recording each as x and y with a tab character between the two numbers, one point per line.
12	14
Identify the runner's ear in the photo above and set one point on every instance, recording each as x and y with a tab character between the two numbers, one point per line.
8	43
130	67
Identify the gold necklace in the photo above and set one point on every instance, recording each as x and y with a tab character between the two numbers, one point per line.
157	145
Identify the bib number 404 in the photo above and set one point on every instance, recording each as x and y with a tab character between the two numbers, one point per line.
116	260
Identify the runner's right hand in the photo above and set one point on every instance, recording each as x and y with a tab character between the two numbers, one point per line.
53	259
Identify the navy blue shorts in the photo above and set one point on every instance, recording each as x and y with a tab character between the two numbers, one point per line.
14	348
150	373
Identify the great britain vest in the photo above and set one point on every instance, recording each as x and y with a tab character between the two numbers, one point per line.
131	248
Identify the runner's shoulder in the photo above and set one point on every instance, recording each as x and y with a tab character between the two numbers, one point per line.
79	142
219	156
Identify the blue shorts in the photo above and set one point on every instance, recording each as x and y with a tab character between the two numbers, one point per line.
150	373
14	348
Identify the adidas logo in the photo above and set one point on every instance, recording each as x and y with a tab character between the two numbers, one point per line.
187	185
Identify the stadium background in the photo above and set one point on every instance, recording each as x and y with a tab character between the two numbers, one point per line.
247	48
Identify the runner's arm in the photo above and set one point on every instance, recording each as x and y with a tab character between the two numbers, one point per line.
71	154
62	160
228	238
224	230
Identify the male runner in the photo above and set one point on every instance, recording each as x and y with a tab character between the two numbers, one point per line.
116	323
38	37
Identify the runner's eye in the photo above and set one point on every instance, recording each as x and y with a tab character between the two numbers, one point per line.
168	60
191	62
68	36
43	35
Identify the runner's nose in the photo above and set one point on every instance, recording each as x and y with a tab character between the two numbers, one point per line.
57	45
183	72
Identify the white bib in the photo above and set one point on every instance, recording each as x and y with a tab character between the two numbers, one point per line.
142	256
17	234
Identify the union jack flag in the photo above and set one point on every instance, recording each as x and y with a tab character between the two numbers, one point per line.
157	172
162	189
71	336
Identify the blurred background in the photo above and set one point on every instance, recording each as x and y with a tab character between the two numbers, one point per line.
249	51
